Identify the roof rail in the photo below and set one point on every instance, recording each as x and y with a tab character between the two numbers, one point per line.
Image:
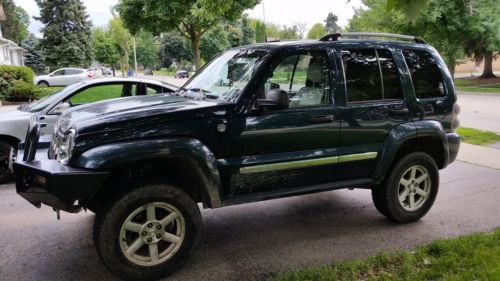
359	35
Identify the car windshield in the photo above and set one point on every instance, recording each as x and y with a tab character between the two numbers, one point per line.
225	76
46	101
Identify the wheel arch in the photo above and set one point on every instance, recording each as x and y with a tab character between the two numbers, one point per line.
185	162
10	139
425	136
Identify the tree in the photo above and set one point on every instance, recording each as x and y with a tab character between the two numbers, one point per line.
192	18
67	34
317	31
234	36
15	27
172	48
260	32
301	29
122	39
331	24
247	35
33	58
289	32
146	50
105	50
213	42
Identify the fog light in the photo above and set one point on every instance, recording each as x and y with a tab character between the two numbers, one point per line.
40	179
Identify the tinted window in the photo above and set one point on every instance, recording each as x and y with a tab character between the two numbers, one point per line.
305	78
59	72
390	76
371	75
362	75
425	74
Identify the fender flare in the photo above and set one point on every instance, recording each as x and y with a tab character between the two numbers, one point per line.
108	156
405	132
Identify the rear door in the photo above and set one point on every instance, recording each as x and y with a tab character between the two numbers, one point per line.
72	75
57	78
374	104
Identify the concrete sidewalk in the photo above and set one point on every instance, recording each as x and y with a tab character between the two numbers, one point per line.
479	155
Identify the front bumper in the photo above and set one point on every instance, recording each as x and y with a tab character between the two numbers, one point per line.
453	146
46	181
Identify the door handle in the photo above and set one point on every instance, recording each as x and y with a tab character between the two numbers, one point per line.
323	119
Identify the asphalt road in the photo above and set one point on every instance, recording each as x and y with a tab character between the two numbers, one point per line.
253	241
480	111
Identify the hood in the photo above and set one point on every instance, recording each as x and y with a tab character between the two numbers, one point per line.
11	112
105	115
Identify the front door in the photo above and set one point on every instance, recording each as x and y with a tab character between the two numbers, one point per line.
374	104
293	147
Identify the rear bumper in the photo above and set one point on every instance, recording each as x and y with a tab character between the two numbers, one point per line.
46	181
453	146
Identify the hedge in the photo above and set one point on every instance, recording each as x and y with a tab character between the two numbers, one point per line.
16	83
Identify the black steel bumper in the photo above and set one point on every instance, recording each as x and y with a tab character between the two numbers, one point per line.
47	181
453	146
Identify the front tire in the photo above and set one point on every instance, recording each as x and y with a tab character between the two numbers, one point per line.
43	84
409	190
148	233
5	173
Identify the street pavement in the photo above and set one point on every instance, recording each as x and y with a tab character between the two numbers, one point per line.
254	241
480	111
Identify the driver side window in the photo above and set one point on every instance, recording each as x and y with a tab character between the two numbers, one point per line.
305	77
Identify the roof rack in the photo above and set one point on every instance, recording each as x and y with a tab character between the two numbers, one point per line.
360	35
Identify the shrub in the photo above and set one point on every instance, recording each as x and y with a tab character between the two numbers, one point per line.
22	91
10	75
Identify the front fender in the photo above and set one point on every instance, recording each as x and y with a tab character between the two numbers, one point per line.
108	156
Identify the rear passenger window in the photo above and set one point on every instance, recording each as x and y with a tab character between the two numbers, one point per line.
370	75
425	74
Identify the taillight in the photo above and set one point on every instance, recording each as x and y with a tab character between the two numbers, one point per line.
89	75
456	108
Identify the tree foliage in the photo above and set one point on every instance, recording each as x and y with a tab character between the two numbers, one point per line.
15	27
146	50
33	58
105	49
260	32
172	48
331	25
122	39
213	42
192	18
247	34
66	33
317	31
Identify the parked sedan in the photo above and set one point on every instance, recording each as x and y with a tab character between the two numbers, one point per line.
181	74
63	77
14	122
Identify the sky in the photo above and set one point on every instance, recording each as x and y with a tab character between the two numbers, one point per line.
282	12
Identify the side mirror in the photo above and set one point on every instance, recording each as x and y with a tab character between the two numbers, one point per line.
58	109
275	99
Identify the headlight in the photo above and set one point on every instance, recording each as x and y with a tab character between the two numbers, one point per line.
65	148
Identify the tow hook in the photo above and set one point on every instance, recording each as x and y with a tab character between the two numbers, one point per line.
58	214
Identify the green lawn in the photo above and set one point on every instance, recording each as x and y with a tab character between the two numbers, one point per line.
98	93
473	257
494	89
479	137
477	85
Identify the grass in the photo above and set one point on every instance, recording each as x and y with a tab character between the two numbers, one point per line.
478	85
98	93
494	89
479	137
473	257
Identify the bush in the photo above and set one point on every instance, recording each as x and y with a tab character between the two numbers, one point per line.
10	75
22	91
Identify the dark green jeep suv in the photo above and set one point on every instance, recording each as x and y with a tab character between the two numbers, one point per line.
258	122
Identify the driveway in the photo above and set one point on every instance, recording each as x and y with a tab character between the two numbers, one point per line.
254	241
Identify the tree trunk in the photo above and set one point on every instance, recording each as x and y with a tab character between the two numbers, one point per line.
451	68
195	48
488	66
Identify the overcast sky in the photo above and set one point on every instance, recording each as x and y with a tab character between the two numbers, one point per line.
282	12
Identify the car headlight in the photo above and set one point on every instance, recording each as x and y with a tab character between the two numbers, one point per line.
65	147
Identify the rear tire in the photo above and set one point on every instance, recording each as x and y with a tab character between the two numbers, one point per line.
5	173
409	190
148	233
43	84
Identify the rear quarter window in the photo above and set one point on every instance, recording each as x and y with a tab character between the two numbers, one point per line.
425	74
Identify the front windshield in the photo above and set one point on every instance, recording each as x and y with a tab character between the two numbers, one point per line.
225	77
46	101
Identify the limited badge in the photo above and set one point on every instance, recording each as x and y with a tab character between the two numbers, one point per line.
221	128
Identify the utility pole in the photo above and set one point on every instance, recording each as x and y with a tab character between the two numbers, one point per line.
264	18
135	57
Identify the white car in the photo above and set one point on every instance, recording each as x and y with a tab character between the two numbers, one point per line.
63	77
14	121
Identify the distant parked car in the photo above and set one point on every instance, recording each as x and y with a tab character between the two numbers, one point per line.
107	71
181	74
148	71
63	77
14	122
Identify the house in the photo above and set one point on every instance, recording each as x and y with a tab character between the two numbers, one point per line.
10	52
